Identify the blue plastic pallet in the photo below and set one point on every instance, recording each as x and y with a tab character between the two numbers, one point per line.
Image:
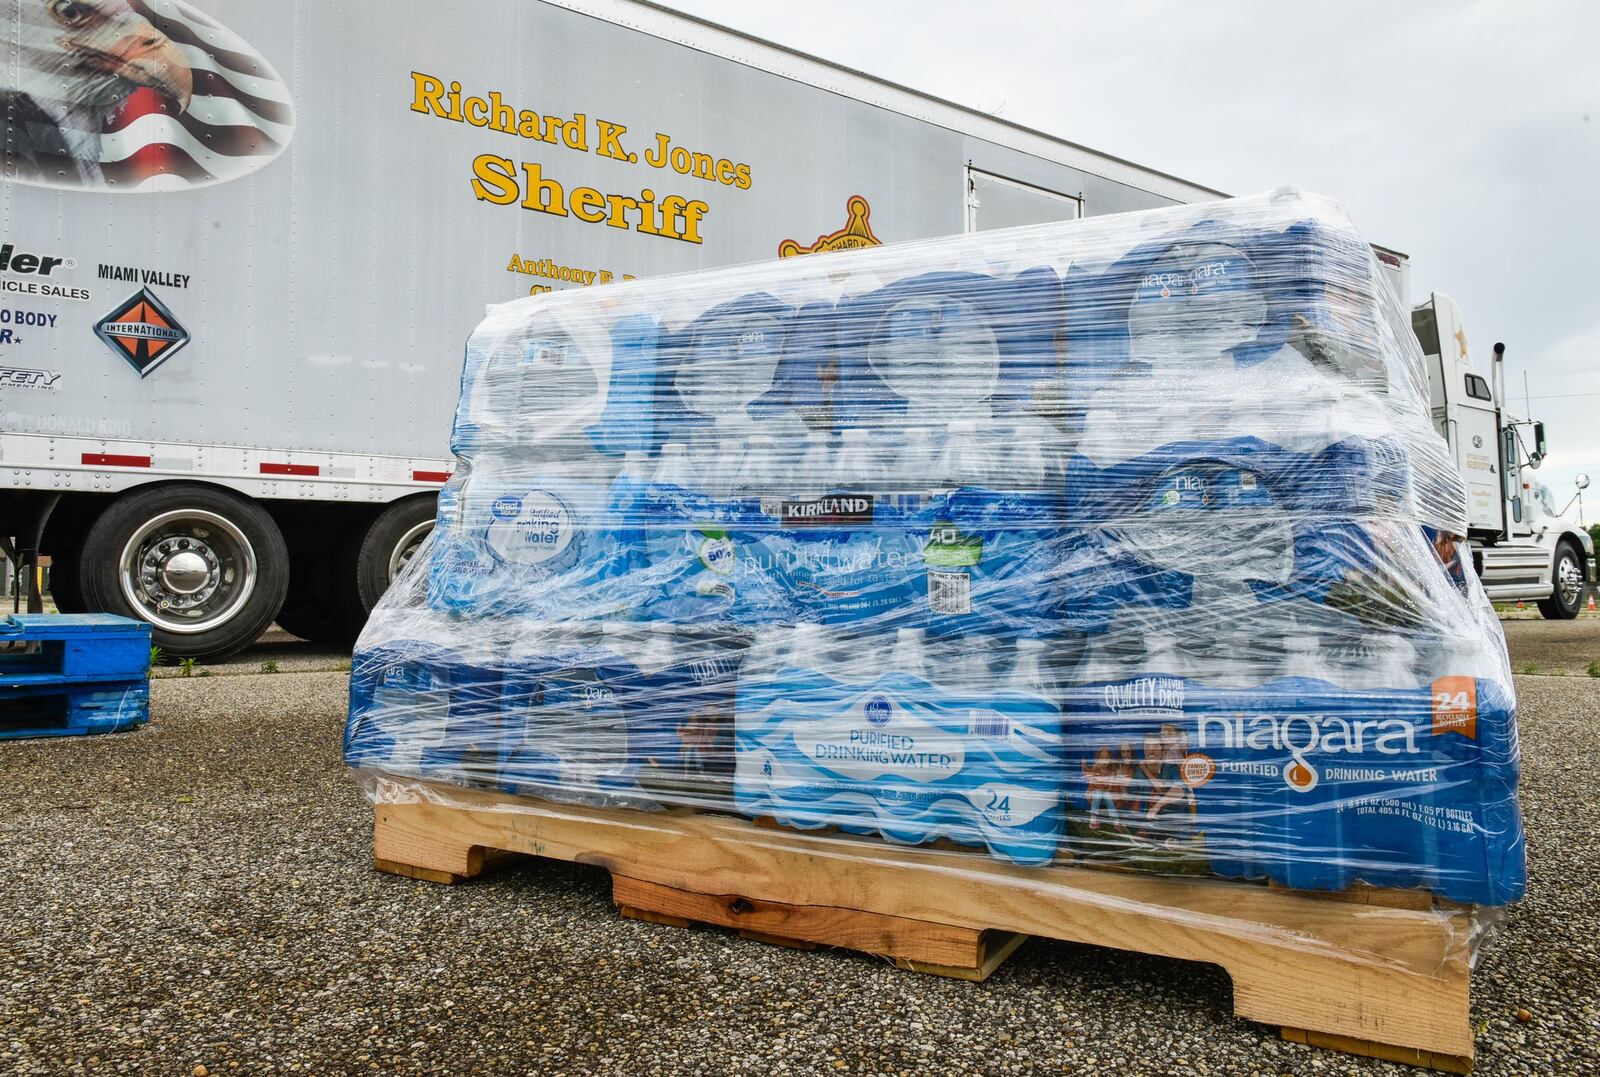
72	648
73	710
72	674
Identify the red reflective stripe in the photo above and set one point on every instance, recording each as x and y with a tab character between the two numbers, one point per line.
111	459
430	476
290	469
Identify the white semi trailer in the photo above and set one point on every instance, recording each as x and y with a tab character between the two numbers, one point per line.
242	244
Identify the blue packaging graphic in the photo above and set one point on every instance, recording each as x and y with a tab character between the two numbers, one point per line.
628	423
710	561
966	561
895	357
1300	781
535	547
419	708
900	757
994	565
565	709
854	559
1354	477
678	691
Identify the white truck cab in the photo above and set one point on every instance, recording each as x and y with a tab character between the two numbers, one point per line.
1523	548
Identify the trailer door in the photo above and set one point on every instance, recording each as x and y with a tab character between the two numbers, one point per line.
1464	412
995	201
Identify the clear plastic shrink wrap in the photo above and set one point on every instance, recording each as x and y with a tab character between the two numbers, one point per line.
1124	541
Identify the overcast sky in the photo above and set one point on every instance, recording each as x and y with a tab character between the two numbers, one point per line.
1465	134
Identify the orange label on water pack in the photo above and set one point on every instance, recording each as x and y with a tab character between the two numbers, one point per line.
1455	706
1197	769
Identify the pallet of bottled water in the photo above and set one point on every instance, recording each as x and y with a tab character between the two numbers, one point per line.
1125	541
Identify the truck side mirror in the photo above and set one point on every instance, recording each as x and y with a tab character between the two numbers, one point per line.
1581	482
1539	444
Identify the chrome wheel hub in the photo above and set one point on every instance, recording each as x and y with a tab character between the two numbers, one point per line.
1569	581
407	547
187	570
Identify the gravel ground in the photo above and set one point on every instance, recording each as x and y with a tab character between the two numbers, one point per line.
1558	647
198	893
289	654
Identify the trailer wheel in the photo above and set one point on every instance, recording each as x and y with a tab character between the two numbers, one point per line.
321	604
64	589
206	568
389	545
1568	585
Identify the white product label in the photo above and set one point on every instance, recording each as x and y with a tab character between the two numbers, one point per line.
530	529
1010	805
876	736
950	592
718	554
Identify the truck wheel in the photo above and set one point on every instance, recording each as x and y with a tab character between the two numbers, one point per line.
1566	596
206	568
64	589
320	606
389	545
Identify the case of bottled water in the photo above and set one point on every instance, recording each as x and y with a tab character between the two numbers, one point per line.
1123	542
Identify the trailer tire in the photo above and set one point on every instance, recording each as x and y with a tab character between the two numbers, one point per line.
389	544
205	567
320	606
64	589
1567	584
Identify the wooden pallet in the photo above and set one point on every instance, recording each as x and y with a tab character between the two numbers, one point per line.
1373	976
914	945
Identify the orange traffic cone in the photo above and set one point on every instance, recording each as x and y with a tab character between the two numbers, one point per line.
1591	601
1520	606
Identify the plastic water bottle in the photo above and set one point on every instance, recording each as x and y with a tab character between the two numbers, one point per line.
673	467
915	467
1231	655
1026	467
757	476
768	652
848	658
961	462
628	493
1100	661
1163	656
853	466
968	668
815	471
703	455
1301	658
647	647
723	472
807	646
1382	662
908	654
642	672
635	467
1028	670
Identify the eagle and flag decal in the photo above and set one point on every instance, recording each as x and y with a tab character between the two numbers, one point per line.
134	95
